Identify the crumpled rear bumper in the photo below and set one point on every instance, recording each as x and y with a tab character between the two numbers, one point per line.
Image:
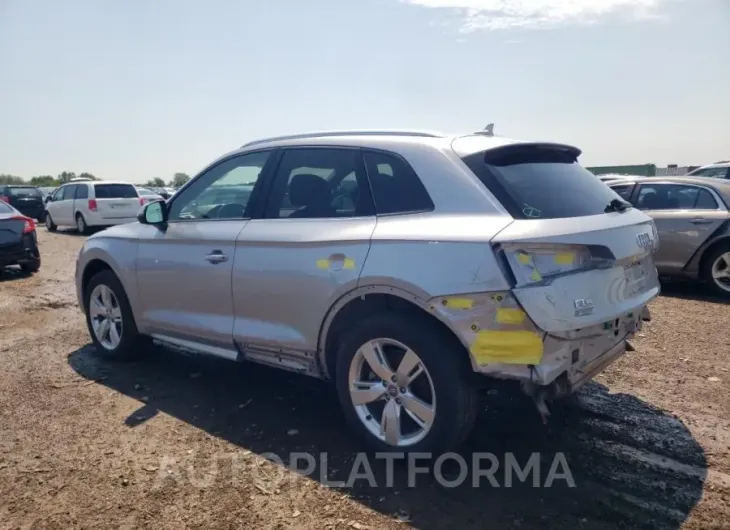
504	342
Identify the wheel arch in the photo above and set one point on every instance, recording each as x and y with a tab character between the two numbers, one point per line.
372	299
723	241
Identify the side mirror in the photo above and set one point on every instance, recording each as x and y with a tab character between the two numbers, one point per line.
153	213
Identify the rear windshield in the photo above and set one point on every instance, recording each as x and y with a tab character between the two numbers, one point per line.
25	192
115	191
540	182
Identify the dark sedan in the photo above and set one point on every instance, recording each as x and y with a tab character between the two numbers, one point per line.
28	200
18	241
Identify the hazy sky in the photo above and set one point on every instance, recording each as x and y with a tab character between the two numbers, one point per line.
133	89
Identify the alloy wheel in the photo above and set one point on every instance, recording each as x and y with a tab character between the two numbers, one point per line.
721	271
106	316
397	406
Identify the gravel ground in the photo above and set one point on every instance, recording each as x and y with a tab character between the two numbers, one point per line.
175	441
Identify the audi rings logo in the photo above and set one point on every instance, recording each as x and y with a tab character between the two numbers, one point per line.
644	240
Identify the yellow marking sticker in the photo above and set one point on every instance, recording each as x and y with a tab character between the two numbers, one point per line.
349	263
535	276
523	258
507	347
510	315
564	258
459	303
323	264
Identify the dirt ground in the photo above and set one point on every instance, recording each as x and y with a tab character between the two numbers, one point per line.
175	442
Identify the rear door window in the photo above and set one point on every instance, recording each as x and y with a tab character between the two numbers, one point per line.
82	192
115	191
673	197
540	181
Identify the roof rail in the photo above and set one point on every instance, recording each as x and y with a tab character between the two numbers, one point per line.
324	134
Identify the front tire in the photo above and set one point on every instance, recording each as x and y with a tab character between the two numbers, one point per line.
50	225
110	319
403	386
716	271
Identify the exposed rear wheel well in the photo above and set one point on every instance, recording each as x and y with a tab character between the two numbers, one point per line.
373	304
92	269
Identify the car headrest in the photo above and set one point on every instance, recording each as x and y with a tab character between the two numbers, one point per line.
309	190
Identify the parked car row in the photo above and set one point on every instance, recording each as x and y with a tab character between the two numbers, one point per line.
693	222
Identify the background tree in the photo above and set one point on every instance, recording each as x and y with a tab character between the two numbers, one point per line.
44	181
10	179
156	182
179	180
87	176
66	176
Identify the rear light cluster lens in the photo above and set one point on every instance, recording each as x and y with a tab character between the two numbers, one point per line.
92	205
28	225
538	264
142	201
5	199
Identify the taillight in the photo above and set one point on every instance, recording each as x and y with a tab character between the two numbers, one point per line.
142	201
535	264
5	199
28	225
92	205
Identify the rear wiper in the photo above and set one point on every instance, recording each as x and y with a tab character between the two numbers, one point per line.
617	205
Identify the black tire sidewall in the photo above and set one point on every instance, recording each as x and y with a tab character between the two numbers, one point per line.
50	226
83	224
440	354
707	271
129	346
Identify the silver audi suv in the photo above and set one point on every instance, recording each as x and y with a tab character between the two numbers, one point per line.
409	268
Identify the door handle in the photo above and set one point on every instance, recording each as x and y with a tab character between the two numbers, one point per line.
700	221
216	257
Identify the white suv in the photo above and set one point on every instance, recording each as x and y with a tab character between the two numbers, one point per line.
92	203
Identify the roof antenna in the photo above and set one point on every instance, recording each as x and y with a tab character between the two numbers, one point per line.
489	130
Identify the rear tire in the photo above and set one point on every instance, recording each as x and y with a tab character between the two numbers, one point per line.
32	267
125	342
445	404
50	225
714	266
81	225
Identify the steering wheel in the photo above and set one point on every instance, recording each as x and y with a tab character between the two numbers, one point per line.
233	210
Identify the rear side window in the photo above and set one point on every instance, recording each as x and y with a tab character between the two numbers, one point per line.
535	181
705	201
82	192
396	187
674	197
25	192
115	191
